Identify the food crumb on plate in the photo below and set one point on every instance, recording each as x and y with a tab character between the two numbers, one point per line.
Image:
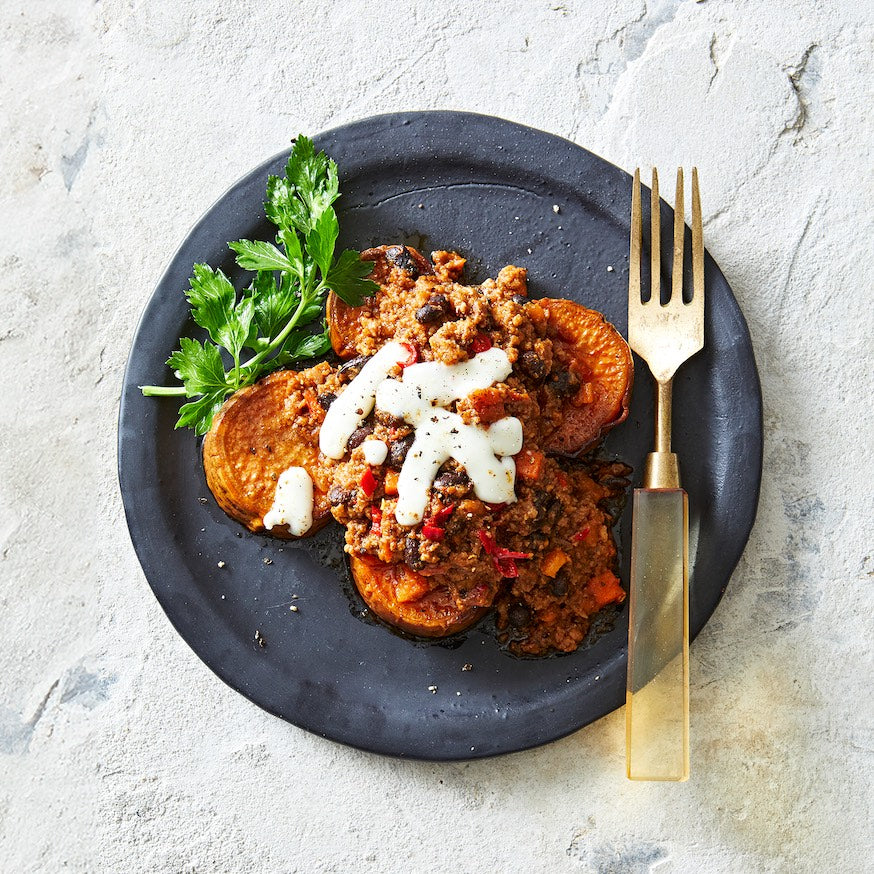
259	639
432	690
268	560
556	209
294	608
609	268
220	564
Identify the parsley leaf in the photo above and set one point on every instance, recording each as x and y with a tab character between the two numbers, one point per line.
347	278
314	177
321	239
212	301
274	302
279	315
255	255
199	366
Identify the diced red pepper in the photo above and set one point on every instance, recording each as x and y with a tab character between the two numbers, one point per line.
581	535
368	483
487	541
500	553
376	520
432	532
442	515
433	527
481	343
412	355
503	559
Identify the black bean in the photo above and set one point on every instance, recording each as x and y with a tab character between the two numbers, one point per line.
398	450
338	495
564	383
440	300
558	586
519	298
533	365
519	616
358	436
411	553
388	419
429	315
400	256
543	502
353	365
450	478
325	400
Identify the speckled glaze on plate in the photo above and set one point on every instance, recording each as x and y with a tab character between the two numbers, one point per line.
489	189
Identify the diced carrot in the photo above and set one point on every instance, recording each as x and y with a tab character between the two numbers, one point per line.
553	561
311	400
410	587
584	396
391	482
605	589
488	405
529	465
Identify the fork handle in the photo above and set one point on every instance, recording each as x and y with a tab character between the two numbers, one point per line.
657	694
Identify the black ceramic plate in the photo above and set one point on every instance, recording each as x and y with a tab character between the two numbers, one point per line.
488	189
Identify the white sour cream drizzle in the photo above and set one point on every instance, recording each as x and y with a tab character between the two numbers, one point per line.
375	451
441	434
419	398
292	502
353	406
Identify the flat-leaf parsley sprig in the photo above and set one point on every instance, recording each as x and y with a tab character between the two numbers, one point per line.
274	316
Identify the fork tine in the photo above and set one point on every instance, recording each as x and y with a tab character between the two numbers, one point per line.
679	231
634	257
697	245
655	245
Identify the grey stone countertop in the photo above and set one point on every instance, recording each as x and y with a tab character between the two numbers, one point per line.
122	121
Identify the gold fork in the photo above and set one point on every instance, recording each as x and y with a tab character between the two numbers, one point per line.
664	335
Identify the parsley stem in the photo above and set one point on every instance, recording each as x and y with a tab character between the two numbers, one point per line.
163	391
305	300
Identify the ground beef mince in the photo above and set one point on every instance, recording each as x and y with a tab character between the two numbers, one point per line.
546	562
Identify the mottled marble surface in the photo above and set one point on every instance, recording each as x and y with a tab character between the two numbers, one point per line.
122	121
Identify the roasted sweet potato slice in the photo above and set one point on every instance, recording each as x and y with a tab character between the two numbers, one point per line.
344	320
261	431
408	601
585	343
